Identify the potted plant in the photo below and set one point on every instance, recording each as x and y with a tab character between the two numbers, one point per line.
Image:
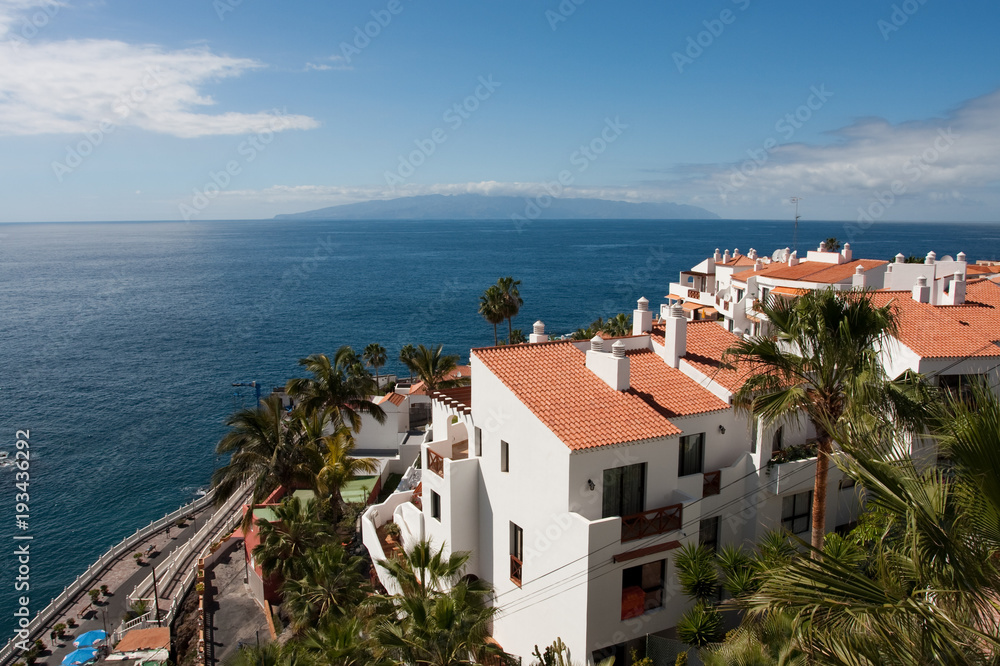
59	630
392	532
105	591
199	588
95	594
71	622
138	558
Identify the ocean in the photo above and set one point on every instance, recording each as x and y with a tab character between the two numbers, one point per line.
119	342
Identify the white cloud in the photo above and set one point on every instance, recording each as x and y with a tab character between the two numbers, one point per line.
333	62
73	86
950	160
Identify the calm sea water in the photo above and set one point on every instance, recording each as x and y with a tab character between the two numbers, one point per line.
119	342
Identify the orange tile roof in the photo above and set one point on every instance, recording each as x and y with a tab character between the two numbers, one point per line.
950	331
552	380
980	269
789	291
738	260
811	271
396	398
707	341
667	389
460	371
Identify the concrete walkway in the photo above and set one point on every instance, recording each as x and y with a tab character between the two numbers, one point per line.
121	576
232	617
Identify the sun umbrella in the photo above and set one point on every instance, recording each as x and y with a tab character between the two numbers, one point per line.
81	656
90	638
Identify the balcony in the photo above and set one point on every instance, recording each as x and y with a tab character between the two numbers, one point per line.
515	570
712	484
651	523
435	461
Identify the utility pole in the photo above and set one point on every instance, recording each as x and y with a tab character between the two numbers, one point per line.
795	233
156	596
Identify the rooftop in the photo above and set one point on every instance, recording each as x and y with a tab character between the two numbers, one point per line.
811	271
552	380
949	331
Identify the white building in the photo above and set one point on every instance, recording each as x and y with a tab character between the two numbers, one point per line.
572	471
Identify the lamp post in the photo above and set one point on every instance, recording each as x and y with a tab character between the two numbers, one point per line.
254	385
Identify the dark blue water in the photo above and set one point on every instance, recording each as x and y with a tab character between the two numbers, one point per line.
119	342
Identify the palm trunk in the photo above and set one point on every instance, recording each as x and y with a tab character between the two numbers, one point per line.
824	448
510	330
496	340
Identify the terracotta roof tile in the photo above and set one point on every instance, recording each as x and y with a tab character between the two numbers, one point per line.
739	260
789	291
811	271
667	389
396	398
707	341
952	331
552	380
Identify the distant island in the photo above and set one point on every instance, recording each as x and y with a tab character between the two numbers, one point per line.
481	207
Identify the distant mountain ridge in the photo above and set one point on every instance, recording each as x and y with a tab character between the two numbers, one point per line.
482	207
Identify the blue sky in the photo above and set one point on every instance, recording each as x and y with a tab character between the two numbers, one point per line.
229	109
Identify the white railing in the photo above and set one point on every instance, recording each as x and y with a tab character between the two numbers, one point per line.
84	580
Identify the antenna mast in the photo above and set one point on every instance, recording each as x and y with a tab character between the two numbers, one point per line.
795	233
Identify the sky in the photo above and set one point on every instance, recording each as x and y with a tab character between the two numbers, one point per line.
243	109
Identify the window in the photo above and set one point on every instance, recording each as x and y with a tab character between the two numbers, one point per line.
754	424
764	292
435	506
624	490
642	588
778	439
961	387
479	442
504	456
692	454
729	324
796	512
516	553
739	294
708	533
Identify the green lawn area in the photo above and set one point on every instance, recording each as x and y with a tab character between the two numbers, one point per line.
357	490
389	487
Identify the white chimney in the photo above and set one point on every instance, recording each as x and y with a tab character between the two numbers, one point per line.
793	258
846	252
725	256
858	281
674	335
956	291
642	318
786	253
612	368
752	254
717	257
822	246
960	257
736	251
538	333
900	258
921	292
597	343
758	264
931	256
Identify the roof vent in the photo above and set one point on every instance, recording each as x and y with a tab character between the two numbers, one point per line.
822	246
642	318
597	343
931	256
921	292
538	333
960	257
618	349
643	304
677	311
900	258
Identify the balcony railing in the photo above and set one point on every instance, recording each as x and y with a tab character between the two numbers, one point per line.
651	523
435	463
515	570
712	484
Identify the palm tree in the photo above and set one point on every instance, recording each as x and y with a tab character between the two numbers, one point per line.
512	301
341	389
374	356
329	587
619	326
589	332
285	541
492	308
433	368
339	467
266	450
406	358
517	337
832	244
918	583
821	360
271	654
422	570
339	643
